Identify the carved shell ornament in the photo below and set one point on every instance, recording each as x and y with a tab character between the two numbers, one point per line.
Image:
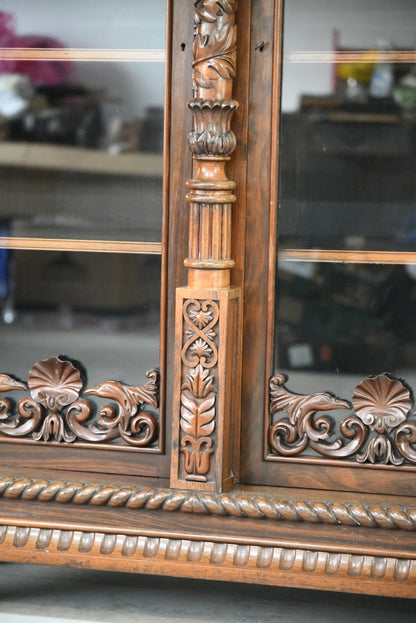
382	402
378	431
57	410
54	383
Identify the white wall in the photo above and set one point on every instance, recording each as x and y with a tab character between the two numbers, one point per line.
309	26
104	24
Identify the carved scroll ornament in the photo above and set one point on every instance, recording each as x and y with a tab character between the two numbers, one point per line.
378	431
58	411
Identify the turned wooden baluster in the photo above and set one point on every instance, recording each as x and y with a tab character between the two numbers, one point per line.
206	404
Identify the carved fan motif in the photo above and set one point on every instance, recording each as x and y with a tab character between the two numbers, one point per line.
54	383
382	402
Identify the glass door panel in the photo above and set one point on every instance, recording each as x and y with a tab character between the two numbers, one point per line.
82	116
100	308
82	94
348	126
344	316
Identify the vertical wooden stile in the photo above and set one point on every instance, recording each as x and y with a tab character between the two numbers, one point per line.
206	406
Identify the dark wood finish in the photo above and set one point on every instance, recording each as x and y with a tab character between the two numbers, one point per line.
206	424
258	284
209	560
85	504
180	169
393	513
205	418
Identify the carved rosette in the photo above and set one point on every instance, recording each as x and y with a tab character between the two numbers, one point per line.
378	431
198	391
57	411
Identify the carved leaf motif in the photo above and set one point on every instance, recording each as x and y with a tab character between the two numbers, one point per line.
214	43
201	348
207	10
197	454
205	13
200	317
197	418
199	382
220	67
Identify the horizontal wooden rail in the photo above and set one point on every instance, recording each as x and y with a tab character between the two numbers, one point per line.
349	257
66	244
351	56
68	158
85	55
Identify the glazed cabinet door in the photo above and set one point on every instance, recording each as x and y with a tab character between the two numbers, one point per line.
84	91
330	289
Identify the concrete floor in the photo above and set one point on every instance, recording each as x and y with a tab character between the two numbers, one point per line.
36	594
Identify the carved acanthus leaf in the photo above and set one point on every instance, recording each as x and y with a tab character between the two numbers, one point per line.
215	42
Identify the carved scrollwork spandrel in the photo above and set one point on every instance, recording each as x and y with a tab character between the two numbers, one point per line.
57	410
378	431
303	428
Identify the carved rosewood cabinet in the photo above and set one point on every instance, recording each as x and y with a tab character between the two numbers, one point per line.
285	265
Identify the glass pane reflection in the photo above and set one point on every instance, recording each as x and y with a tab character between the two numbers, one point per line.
80	137
101	309
348	126
337	323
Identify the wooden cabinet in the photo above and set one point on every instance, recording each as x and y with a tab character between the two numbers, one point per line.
213	466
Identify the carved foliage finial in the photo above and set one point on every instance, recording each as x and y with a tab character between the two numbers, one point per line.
214	68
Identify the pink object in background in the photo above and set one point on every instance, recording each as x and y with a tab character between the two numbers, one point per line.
40	73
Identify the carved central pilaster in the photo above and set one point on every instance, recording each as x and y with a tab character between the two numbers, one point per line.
206	419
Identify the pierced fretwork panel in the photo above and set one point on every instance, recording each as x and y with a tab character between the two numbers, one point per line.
61	408
378	427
